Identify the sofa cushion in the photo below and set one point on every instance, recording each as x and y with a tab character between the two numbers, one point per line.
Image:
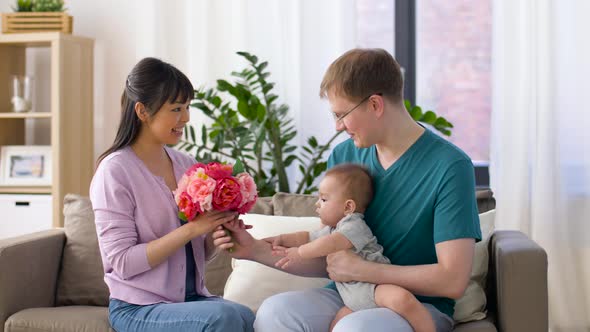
263	205
297	205
250	282
485	200
294	205
219	268
60	319
485	325
81	277
472	305
216	273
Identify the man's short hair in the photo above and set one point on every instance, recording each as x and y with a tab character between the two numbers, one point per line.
356	181
360	72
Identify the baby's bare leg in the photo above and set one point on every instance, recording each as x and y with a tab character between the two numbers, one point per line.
339	315
406	305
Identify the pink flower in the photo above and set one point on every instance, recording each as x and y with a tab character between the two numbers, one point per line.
247	188
219	171
187	207
194	168
200	189
227	194
212	187
245	208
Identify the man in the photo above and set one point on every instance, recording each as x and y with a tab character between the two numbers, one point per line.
424	211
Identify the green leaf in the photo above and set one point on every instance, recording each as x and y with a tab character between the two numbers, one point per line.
260	112
416	113
319	168
309	180
223	85
408	104
302	169
262	66
182	216
271	98
429	117
267	87
290	160
204	135
238	167
216	101
313	142
243	109
192	131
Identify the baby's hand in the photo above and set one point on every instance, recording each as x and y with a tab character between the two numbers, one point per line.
291	256
275	241
279	251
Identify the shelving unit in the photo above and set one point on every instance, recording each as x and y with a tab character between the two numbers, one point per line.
69	111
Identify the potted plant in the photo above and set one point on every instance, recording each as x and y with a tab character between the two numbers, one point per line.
249	125
37	16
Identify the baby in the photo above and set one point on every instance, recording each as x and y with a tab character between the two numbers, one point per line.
344	194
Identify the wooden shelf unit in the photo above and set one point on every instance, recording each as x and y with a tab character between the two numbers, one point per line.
32	115
70	111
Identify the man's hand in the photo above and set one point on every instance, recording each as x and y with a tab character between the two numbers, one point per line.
291	256
234	235
342	266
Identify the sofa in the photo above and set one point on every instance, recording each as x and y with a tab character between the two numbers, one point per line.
52	280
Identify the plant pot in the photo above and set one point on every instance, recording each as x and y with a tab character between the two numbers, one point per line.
37	22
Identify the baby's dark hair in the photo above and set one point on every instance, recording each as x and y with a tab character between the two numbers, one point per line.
357	183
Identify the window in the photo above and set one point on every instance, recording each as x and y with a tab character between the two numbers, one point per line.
453	68
445	49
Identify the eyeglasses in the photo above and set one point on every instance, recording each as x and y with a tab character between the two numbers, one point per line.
339	118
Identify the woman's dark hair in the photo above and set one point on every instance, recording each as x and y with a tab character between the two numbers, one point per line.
151	82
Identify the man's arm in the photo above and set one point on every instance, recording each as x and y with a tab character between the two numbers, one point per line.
447	278
247	247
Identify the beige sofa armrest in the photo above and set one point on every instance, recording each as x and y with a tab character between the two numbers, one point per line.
518	269
29	266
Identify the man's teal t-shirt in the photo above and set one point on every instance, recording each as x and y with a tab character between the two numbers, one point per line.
427	196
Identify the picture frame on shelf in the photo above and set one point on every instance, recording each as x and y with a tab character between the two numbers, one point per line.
25	165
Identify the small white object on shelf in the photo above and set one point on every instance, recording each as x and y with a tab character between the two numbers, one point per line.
22	93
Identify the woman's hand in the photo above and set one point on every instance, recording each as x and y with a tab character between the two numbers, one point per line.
208	221
342	265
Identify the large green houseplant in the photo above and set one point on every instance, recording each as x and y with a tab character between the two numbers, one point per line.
249	125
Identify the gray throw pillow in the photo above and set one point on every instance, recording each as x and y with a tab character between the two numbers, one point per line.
81	278
294	205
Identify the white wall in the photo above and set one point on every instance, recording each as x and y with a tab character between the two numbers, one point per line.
299	38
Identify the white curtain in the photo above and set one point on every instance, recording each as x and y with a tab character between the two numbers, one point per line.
540	162
299	39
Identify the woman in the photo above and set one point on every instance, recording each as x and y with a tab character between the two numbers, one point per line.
154	264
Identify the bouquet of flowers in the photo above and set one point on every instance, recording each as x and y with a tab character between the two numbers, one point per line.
214	187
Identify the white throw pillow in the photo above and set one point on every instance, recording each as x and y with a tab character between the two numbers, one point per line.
251	283
472	306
